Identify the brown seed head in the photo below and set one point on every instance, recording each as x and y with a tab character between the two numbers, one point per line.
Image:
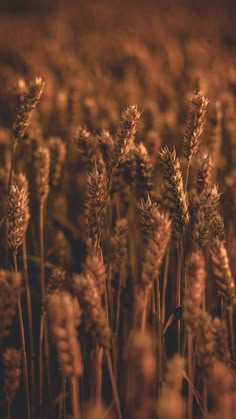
125	133
140	377
195	286
156	248
220	266
87	145
203	210
205	345
218	228
17	211
174	373
55	283
221	340
97	185
94	315
119	245
63	326
42	170
195	123
221	384
153	144
106	145
94	266
29	102
57	150
146	216
173	191
12	371
204	172
144	169
10	289
170	404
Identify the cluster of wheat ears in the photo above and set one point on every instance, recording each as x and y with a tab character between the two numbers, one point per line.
145	328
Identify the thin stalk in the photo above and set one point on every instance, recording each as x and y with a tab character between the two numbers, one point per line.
110	295
132	240
41	364
114	351
44	347
41	240
187	176
47	363
25	367
164	287
197	396
8	410
204	394
74	393
159	334
178	289
98	374
118	302
190	374
144	313
106	303
64	400
113	385
13	157
30	323
43	342
109	408
61	404
154	310
231	332
42	286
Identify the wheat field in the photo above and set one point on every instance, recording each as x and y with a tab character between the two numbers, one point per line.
118	210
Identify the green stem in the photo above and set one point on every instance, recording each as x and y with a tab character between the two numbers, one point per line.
25	367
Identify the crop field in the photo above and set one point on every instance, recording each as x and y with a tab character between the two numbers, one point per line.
117	210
